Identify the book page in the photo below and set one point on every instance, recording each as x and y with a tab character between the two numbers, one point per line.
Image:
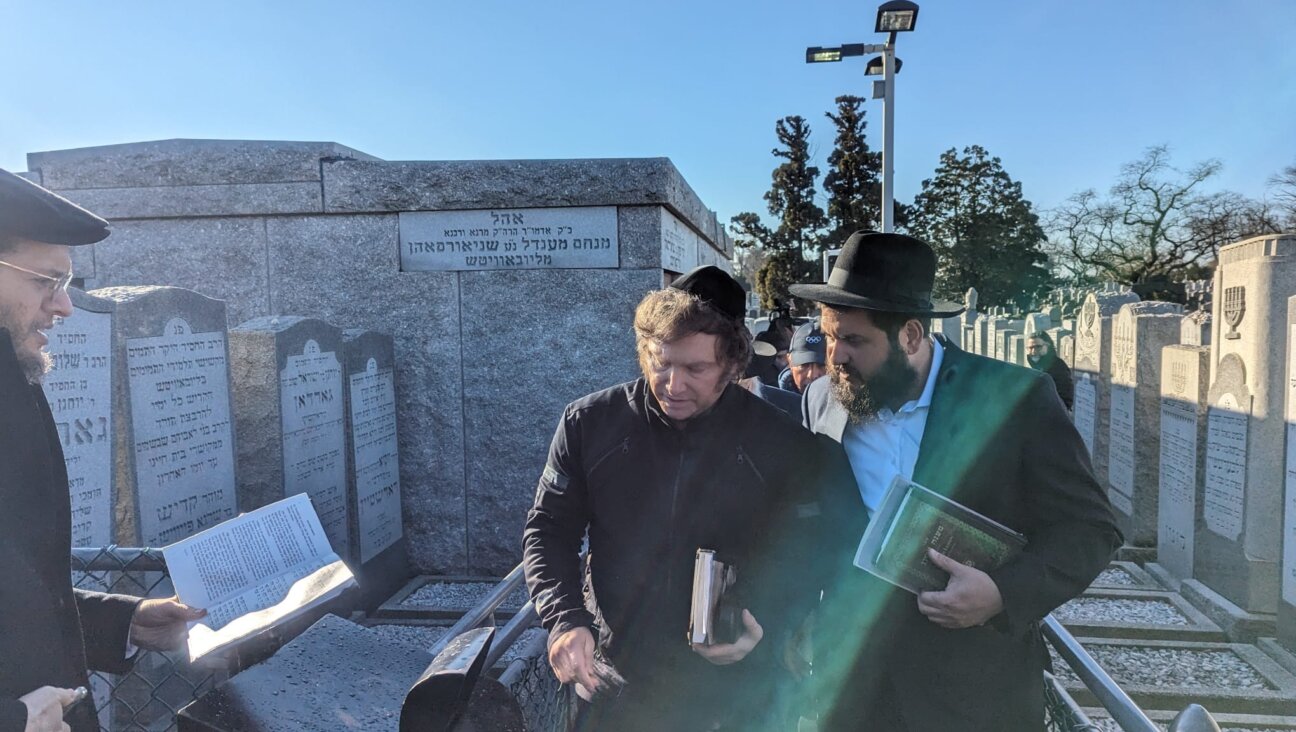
255	571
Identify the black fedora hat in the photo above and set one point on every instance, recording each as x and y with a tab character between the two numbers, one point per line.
31	212
891	273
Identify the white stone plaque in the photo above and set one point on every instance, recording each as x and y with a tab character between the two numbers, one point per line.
1226	452
680	245
1178	484
1289	489
79	390
1084	409
1120	450
314	444
578	237
184	448
376	459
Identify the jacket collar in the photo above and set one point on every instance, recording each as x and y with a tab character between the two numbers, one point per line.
943	421
835	419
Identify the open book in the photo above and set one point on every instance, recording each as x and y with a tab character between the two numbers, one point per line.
254	572
911	519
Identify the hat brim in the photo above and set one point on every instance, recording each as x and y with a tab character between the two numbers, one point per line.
801	358
830	295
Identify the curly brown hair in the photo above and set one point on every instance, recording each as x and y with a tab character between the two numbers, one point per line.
664	316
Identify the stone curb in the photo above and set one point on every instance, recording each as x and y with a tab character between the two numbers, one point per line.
1239	625
1199	627
393	607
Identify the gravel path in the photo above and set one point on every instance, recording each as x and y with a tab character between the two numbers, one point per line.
1120	610
459	595
1107	724
1152	666
1116	577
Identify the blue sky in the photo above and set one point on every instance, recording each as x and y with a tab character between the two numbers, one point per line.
1063	91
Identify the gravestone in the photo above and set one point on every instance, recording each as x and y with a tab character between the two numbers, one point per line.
1005	328
979	330
1287	598
1139	333
1195	328
80	394
970	316
1185	376
174	439
289	407
1036	322
1017	349
373	482
1237	554
1066	347
1091	366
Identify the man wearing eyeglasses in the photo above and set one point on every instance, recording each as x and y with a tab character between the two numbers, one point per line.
49	632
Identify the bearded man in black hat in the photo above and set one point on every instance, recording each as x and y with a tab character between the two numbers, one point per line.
655	469
50	632
991	436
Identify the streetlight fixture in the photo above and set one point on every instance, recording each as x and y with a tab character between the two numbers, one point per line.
894	16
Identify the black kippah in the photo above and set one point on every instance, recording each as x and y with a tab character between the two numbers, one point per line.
715	287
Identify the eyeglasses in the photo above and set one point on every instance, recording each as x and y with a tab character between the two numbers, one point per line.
53	285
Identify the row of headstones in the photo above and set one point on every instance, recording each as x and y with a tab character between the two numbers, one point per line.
160	442
1190	420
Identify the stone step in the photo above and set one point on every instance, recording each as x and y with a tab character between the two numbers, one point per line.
1170	675
1239	625
445	597
1136	614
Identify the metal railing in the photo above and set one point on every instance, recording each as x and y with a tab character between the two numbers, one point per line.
146	698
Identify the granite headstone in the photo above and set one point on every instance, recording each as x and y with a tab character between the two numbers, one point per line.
1185	372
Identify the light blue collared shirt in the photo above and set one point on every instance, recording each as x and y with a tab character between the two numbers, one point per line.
887	445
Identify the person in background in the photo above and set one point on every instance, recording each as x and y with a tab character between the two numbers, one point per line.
806	358
1042	355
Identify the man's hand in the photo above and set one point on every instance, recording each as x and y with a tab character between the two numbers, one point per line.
572	657
723	654
162	625
45	708
969	598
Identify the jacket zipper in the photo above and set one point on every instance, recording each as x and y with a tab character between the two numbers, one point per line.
743	457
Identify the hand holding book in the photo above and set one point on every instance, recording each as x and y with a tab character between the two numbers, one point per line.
970	597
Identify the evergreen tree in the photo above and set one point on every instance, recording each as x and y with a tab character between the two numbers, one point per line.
854	179
985	234
790	201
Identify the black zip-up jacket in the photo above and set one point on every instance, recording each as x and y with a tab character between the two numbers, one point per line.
740	479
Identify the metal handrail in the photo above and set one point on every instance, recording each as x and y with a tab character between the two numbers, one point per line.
516	626
477	616
1114	699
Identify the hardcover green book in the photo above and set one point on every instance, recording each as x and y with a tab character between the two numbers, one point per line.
912	519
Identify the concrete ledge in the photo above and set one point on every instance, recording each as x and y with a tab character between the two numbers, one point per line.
1239	625
354	186
403	606
163	202
1125	576
1139	554
1163	576
1196	627
1278	652
1278	699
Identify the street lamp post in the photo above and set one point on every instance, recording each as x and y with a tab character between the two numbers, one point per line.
895	16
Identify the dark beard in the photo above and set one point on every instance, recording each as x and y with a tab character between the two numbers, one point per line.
34	365
863	397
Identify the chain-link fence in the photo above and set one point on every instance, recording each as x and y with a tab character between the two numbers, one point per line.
147	698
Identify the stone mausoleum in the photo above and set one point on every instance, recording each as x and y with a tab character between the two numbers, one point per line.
507	286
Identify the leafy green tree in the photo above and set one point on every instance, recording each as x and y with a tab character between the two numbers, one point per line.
790	201
985	233
854	179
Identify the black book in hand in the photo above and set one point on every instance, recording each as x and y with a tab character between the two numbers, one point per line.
912	519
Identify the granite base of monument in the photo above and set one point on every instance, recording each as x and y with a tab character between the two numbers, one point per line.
339	675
